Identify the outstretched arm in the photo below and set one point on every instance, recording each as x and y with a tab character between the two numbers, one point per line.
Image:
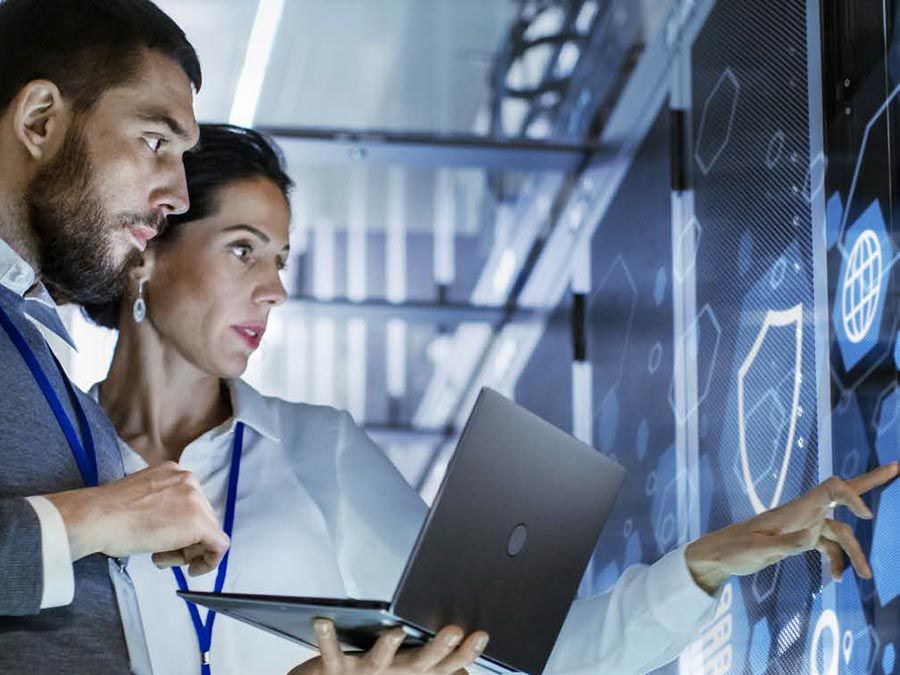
653	612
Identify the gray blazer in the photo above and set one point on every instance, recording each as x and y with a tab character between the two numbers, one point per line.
35	459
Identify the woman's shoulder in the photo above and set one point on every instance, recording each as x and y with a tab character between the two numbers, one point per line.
295	419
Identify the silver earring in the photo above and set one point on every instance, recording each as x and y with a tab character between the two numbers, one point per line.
140	306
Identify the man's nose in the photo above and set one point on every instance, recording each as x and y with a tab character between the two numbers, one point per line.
173	199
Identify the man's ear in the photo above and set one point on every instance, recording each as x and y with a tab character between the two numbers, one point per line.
41	118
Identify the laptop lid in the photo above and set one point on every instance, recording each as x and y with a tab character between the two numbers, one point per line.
510	533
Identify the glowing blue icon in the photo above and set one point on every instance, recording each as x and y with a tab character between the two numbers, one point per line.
862	286
885	539
860	301
897	352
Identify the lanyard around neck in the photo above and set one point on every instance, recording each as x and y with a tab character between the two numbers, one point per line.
85	455
204	630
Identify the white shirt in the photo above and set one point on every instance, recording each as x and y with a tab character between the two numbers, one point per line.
322	512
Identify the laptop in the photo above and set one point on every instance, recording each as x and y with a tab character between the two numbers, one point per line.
503	548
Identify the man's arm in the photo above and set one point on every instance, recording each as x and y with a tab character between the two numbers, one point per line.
20	558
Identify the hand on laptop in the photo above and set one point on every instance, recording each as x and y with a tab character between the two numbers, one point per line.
449	652
160	510
801	525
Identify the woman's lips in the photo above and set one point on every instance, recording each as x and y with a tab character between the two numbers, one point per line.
251	334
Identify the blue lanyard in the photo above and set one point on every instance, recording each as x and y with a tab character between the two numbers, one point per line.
85	455
204	631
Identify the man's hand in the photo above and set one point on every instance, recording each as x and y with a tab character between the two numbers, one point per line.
159	510
446	654
801	525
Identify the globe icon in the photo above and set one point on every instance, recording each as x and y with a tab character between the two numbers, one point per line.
862	286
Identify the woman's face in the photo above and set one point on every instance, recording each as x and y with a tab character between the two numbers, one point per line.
213	285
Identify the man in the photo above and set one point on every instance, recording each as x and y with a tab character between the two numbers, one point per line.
96	109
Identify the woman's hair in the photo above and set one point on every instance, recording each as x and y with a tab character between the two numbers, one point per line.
224	155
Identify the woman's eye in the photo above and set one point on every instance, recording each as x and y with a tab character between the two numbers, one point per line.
242	251
153	143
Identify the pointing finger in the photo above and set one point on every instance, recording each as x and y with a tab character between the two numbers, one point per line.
875	478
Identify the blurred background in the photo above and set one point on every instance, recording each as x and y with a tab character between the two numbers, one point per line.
638	218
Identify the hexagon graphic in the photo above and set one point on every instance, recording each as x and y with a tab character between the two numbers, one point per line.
862	286
856	646
760	644
897	352
887	438
792	321
664	504
880	114
834	214
815	177
885	543
776	146
764	582
685	253
717	121
704	328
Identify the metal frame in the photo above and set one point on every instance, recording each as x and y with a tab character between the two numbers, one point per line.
446	313
321	146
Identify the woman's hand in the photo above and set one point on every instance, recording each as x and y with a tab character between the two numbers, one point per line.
801	525
449	652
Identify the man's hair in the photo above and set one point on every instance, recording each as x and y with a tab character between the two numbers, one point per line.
85	47
225	155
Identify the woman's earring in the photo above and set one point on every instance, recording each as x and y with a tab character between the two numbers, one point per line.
140	306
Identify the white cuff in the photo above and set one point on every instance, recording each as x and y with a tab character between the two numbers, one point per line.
59	579
680	604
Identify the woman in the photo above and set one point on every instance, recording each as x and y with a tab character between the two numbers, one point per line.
319	510
314	507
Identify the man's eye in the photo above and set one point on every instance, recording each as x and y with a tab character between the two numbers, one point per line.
153	143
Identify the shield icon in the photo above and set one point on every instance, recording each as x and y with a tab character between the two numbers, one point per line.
761	381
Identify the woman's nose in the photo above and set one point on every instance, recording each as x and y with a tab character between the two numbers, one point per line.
272	292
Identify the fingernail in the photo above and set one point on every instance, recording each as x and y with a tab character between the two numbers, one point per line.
323	628
453	639
868	514
481	644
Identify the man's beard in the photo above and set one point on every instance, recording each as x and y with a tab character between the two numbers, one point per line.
75	232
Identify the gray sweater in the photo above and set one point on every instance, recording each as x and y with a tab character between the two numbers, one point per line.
35	459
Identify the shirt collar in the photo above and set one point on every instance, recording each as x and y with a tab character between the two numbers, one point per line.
15	274
258	412
19	277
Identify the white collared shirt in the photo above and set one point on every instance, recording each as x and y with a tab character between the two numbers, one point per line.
322	512
19	277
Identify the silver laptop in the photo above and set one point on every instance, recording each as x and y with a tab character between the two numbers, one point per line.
503	549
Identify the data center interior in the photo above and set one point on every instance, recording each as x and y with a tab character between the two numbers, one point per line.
666	226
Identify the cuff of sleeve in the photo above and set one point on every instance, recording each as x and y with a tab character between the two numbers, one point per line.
679	603
59	579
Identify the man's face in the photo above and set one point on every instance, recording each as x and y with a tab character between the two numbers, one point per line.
117	176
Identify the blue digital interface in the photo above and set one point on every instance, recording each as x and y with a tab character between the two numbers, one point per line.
740	357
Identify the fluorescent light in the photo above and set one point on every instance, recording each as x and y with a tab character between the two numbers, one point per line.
356	237
505	270
256	59
445	214
396	358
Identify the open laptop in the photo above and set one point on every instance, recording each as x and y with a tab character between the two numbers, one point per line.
503	548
